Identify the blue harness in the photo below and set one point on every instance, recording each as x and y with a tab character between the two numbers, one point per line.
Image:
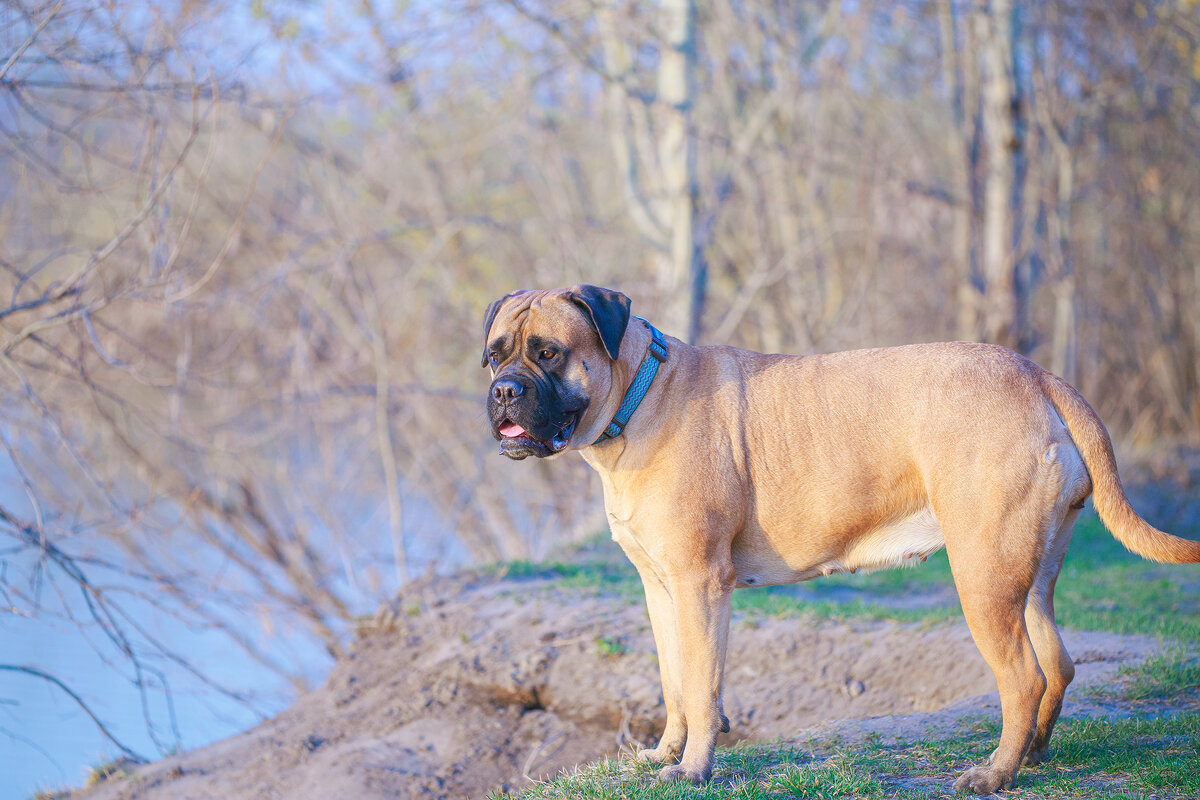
656	353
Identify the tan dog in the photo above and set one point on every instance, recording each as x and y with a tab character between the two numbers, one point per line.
741	469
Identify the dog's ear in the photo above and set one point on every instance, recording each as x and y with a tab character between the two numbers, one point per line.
607	311
489	315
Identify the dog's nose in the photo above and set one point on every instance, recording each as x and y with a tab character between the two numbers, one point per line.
507	389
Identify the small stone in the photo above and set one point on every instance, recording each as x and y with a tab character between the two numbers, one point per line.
855	688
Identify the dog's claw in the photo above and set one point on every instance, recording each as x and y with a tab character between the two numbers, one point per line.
1036	757
983	780
677	773
663	754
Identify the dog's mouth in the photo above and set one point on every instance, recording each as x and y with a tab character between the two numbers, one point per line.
516	442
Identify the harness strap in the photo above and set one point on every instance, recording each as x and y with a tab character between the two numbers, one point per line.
656	353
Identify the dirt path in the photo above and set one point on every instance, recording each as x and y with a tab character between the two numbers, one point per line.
472	684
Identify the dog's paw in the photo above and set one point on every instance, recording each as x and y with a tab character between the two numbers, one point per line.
665	753
983	780
678	773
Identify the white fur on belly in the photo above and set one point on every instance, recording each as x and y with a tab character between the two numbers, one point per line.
898	543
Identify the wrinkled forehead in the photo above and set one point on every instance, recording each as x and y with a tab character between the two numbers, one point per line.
548	315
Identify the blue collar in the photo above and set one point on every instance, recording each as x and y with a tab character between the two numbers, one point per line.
656	353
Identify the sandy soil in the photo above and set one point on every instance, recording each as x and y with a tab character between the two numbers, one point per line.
494	681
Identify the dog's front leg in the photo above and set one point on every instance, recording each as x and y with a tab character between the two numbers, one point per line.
701	605
666	641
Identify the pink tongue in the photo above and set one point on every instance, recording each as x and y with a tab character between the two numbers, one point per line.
511	429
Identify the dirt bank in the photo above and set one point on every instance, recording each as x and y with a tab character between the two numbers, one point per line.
475	683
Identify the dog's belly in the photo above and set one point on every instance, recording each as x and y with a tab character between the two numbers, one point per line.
759	560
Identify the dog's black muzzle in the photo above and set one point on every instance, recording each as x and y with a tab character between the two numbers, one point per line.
528	416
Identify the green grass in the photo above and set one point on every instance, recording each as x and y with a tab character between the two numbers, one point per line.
591	574
1102	759
611	647
777	601
1102	587
1170	674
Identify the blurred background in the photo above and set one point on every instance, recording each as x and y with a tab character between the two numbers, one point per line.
245	249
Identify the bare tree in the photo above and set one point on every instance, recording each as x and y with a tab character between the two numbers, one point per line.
238	332
1002	313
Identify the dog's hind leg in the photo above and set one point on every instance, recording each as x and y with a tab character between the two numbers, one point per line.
1052	656
993	586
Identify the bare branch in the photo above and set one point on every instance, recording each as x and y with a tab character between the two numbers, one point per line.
20	51
46	676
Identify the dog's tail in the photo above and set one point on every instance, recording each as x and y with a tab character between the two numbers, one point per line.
1091	437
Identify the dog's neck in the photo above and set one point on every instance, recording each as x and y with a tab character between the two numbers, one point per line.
634	348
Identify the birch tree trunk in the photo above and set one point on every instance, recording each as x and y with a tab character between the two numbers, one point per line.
961	78
687	282
662	196
1000	320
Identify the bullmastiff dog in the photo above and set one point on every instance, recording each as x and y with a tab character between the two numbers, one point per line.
724	468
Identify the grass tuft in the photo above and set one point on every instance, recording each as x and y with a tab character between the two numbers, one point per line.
1167	675
837	777
49	794
108	769
611	646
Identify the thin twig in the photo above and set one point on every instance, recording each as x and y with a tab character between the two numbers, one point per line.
533	755
37	673
28	42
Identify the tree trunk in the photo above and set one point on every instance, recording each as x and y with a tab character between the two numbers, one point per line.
1064	360
682	277
961	79
662	197
1001	317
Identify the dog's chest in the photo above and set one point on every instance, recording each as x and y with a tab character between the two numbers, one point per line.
642	556
619	509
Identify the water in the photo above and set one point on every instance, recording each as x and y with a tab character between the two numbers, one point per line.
48	742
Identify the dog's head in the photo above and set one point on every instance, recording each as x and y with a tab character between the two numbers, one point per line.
551	354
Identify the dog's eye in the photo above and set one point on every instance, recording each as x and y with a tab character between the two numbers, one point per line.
546	355
494	358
